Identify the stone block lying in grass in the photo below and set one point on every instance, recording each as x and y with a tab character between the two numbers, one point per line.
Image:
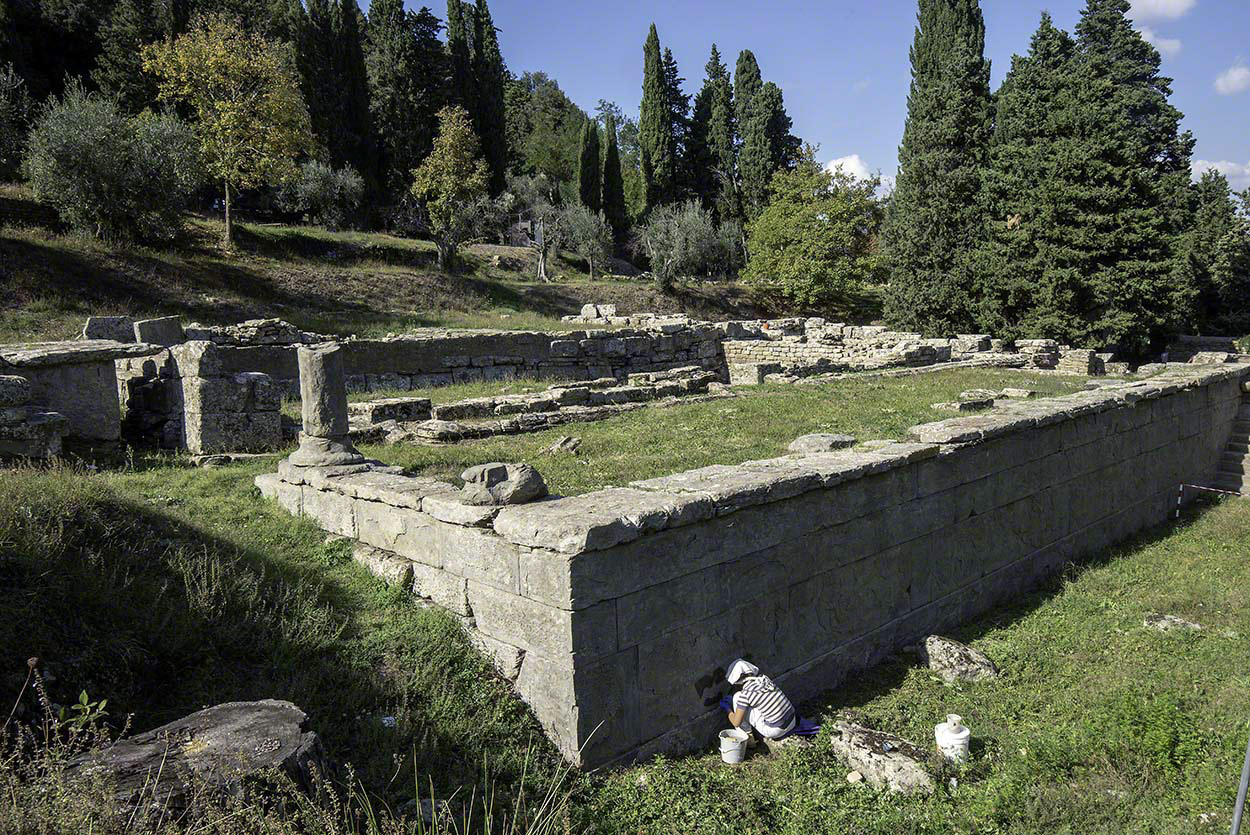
885	760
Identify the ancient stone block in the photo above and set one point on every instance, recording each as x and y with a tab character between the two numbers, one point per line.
14	390
821	442
116	328
166	331
386	566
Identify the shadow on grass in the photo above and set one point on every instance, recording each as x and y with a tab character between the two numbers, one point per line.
128	598
865	686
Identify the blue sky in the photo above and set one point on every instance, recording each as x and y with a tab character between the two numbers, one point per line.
843	65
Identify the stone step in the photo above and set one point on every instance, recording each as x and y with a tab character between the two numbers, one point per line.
1232	483
1238	447
1243	411
1241	427
1234	465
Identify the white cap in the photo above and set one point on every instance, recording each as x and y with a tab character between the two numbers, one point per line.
741	668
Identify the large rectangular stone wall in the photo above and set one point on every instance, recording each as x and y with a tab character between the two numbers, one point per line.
617	611
444	357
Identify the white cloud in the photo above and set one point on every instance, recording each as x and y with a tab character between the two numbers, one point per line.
853	165
1238	175
1169	47
861	85
1235	79
1160	9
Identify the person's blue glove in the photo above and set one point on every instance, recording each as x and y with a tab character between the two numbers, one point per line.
727	703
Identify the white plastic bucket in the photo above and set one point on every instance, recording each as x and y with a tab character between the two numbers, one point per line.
733	745
953	738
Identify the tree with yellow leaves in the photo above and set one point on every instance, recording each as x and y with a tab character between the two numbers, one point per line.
249	116
452	185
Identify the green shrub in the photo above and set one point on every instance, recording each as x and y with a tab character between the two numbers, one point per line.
684	241
121	178
326	194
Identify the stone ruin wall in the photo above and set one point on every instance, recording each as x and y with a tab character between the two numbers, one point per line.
614	612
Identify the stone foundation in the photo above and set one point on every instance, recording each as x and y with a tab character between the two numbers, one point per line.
615	612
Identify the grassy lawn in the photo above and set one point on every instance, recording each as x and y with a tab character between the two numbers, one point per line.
759	423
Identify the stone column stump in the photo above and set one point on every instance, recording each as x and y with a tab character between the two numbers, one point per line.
323	393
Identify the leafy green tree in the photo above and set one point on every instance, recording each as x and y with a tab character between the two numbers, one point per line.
614	210
545	130
813	247
406	66
587	234
327	195
589	179
120	177
250	120
490	76
655	128
451	183
1230	271
933	222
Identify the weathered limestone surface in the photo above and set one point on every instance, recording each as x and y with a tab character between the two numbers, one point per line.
886	761
115	328
165	331
323	396
955	661
616	611
76	379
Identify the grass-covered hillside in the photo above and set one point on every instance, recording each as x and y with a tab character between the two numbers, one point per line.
329	282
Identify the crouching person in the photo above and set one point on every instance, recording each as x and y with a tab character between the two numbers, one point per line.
758	705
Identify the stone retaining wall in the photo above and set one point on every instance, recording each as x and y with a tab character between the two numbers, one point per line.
615	612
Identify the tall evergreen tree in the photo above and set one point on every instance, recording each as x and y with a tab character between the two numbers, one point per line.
679	125
1027	280
589	183
1132	178
711	151
1215	234
784	148
132	25
747	84
357	137
933	221
655	129
490	75
459	58
767	144
407	67
613	183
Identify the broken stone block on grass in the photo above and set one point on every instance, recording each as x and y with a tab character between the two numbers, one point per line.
955	661
884	760
502	484
965	405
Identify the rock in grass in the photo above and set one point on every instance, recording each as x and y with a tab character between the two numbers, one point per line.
567	444
821	442
884	760
216	748
1170	623
955	661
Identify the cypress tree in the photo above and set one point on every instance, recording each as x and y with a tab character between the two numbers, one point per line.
711	152
132	25
767	144
1211	239
589	187
459	58
490	74
613	183
1130	183
406	65
679	125
933	221
1027	277
655	129
358	145
783	147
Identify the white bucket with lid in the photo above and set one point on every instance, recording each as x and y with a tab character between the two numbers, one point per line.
953	738
733	745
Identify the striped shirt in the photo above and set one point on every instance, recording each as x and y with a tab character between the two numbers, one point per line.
769	706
